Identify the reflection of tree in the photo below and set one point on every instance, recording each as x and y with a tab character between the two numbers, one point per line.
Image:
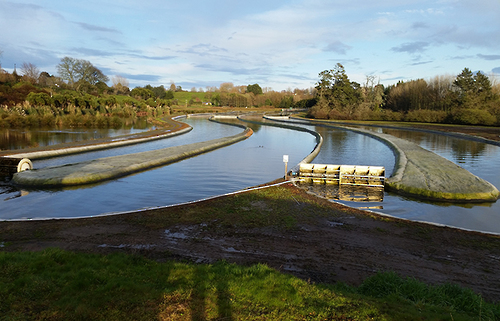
460	148
463	149
10	139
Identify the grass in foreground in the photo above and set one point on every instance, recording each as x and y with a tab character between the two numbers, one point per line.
60	285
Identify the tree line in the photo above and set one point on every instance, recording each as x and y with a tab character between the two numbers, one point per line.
79	79
467	98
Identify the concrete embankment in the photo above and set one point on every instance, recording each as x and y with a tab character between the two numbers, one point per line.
102	169
424	174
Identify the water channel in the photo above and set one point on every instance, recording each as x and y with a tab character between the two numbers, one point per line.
481	159
20	138
255	161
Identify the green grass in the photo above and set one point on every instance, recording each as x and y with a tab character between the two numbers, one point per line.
182	96
59	285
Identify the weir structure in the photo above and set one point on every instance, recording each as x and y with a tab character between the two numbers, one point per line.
354	175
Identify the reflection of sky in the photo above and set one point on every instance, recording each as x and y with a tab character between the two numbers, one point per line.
478	158
256	160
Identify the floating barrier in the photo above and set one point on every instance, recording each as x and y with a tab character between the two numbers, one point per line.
11	165
369	176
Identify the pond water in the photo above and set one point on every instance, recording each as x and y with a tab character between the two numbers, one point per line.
479	158
25	138
254	161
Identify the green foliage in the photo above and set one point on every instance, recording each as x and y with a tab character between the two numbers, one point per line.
306	103
39	99
286	102
473	117
59	285
467	99
426	116
337	92
142	93
255	89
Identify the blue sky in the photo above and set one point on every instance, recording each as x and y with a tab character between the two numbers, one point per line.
277	44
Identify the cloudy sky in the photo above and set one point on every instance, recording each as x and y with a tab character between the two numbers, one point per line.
279	44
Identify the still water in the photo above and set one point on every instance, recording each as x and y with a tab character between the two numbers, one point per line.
256	160
483	160
22	138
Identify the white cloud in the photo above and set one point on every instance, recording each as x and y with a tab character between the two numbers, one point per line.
273	41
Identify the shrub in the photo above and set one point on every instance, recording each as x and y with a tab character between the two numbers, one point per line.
116	122
426	116
32	121
473	117
47	120
319	112
39	99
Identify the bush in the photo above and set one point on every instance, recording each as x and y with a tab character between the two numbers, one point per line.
47	120
386	114
336	114
473	117
116	122
319	112
426	116
32	121
39	99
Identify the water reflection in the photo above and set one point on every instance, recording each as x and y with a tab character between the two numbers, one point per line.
345	193
12	139
251	162
460	148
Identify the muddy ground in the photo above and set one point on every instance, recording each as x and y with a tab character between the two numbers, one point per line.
324	242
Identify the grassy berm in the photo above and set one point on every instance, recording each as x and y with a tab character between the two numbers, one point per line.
275	253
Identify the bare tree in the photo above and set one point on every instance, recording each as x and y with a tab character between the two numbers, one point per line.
30	72
226	87
119	80
74	70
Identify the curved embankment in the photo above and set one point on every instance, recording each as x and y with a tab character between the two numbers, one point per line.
102	169
319	139
76	148
423	174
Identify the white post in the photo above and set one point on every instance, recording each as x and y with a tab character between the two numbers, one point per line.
285	160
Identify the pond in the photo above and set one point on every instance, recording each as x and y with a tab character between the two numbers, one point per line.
254	161
257	160
25	138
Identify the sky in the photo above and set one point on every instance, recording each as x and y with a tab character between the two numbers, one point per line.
277	44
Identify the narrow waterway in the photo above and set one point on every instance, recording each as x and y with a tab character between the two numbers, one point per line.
257	160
